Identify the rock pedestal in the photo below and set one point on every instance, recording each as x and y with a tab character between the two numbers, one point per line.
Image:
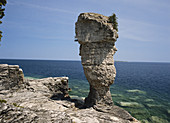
97	38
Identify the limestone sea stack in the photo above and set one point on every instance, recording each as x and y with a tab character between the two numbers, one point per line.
97	38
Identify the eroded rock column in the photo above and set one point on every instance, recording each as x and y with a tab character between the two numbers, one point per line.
97	38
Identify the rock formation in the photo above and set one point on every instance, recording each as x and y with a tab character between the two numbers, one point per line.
11	78
97	38
47	101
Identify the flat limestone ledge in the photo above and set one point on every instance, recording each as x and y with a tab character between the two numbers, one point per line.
47	100
52	86
33	103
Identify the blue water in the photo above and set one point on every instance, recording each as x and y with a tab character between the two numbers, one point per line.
147	84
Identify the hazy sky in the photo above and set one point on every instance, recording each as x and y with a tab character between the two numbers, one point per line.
45	29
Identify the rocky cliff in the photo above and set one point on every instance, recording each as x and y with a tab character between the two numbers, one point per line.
47	101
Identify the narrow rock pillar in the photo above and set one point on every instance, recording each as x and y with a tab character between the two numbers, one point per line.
97	38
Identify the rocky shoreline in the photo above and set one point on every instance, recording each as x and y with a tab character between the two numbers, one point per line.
47	100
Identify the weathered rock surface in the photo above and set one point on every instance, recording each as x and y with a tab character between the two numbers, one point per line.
11	78
13	114
47	101
97	39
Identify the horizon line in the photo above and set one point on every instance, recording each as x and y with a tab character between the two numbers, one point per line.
78	60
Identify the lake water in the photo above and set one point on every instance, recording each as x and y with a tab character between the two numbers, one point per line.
143	89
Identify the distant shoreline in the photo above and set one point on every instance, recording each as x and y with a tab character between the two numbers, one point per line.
80	60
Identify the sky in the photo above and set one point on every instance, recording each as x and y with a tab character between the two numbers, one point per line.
41	29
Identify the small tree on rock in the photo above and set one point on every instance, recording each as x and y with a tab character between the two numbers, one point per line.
113	20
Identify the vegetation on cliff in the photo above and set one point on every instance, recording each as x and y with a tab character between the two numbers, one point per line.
2	3
113	19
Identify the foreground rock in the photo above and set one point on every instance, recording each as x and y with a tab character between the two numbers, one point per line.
11	78
47	101
97	38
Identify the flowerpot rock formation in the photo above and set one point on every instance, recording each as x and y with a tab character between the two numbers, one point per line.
97	38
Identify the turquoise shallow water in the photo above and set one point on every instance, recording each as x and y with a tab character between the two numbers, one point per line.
141	88
146	106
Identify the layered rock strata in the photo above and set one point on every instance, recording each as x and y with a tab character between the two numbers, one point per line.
97	38
11	78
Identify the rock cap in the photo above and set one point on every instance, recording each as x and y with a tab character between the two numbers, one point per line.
93	27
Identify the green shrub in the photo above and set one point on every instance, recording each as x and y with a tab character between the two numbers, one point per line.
113	20
17	105
3	101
